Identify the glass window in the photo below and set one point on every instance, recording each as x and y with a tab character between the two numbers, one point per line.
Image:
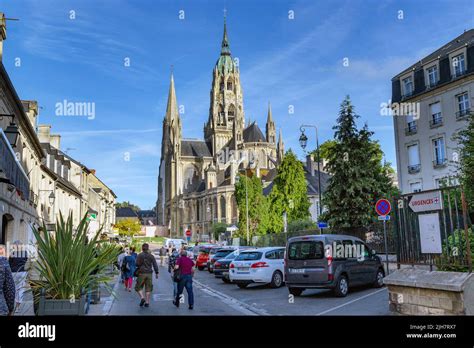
413	155
408	85
249	256
439	151
415	186
459	65
432	76
435	112
271	255
306	250
463	102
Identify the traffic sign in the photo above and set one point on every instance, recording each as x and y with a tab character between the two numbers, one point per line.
322	224
426	201
188	233
383	207
384	217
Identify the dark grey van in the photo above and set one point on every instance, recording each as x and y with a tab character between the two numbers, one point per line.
330	261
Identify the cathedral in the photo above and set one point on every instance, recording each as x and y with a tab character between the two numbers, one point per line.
196	177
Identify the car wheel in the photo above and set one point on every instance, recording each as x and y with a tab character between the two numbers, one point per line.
277	280
296	291
242	285
225	280
342	287
201	268
379	278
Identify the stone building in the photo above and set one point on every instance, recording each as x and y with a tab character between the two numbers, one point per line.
197	176
434	99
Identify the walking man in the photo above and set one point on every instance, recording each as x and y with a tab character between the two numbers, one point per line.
185	267
163	253
145	264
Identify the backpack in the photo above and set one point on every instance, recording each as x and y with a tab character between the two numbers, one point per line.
125	266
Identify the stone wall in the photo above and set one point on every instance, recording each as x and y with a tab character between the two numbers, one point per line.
420	292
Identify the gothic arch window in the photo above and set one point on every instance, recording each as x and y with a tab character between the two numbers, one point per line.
230	84
221	84
223	207
221	116
231	112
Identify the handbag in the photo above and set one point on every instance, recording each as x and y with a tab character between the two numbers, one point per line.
177	275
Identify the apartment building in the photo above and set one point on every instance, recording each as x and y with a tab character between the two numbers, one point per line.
431	101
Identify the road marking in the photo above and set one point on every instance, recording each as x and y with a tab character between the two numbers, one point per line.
232	302
350	302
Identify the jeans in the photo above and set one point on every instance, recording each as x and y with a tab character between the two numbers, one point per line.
186	282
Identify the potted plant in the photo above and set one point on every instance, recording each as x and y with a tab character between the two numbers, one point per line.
69	265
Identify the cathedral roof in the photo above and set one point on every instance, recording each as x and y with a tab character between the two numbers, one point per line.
195	148
253	134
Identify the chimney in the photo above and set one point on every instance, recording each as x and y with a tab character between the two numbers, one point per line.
55	141
31	110
44	133
3	33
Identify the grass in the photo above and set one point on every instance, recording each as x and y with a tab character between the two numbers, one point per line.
137	241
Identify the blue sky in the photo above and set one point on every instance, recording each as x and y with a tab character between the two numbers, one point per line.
285	61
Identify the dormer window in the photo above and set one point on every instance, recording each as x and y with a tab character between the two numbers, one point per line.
432	76
407	87
459	65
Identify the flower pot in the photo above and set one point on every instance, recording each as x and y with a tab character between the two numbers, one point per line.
61	307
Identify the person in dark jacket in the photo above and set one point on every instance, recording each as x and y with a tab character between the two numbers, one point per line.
145	263
7	285
171	263
129	266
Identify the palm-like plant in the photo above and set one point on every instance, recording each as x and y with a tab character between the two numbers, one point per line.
68	262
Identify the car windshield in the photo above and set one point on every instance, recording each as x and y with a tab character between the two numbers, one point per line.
249	256
222	253
305	250
231	256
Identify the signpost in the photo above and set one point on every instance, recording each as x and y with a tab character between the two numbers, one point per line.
188	235
322	224
383	208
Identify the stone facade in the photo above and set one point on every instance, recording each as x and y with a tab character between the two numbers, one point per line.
196	177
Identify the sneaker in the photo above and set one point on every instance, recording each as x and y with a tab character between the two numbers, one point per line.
190	307
142	302
147	305
176	303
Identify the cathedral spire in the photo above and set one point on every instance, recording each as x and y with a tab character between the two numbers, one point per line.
172	106
269	116
225	49
280	149
270	126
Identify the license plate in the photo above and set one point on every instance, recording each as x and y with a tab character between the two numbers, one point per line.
243	269
296	270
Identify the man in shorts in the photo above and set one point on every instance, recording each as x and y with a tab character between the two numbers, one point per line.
146	264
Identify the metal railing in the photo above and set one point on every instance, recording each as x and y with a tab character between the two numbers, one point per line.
414	168
440	162
410	130
463	113
436	121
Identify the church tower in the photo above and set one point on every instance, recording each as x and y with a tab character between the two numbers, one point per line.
270	127
226	112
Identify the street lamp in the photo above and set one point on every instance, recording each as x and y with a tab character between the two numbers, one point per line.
52	198
303	142
11	132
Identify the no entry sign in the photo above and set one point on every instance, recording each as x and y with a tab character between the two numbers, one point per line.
383	207
188	233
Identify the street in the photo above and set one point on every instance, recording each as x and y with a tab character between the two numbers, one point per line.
214	297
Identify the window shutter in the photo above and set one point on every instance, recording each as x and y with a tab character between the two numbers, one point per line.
419	80
396	91
435	108
470	59
444	70
413	156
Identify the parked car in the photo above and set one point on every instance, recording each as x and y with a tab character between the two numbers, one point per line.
221	266
263	265
175	242
316	261
203	256
215	254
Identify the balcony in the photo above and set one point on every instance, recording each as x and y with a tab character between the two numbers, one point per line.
440	163
436	120
462	114
414	168
411	129
12	171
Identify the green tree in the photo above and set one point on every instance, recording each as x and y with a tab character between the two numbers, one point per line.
465	138
126	204
289	193
358	176
257	206
218	228
128	227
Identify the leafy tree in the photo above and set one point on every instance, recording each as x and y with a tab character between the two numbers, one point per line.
126	204
358	177
218	228
289	193
465	138
257	206
301	225
128	227
324	149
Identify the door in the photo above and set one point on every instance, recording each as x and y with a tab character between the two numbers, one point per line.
368	264
345	258
306	262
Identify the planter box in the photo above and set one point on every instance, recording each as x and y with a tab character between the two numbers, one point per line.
61	307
